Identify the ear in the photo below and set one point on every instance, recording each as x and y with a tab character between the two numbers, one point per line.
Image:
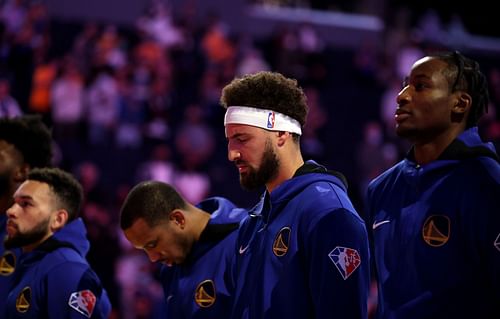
60	219
462	103
283	137
177	218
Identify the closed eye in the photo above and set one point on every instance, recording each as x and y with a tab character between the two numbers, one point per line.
151	245
23	203
421	86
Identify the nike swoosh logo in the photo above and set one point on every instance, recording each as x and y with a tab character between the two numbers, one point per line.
376	224
243	249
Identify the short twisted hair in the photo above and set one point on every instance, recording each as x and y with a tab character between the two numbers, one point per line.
30	136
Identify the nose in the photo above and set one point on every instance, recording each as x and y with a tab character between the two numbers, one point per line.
153	256
233	154
11	210
403	96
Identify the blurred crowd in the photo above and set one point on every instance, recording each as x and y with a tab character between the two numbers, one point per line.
127	104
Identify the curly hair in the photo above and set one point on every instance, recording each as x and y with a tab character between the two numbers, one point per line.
464	75
267	90
152	201
30	137
68	192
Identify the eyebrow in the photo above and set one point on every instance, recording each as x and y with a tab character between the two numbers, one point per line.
23	197
421	75
236	135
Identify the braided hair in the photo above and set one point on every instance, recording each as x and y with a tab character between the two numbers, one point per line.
464	75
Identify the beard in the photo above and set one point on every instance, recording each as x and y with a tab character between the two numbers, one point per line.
268	169
29	237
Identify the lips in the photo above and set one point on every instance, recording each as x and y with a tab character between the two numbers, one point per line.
11	227
241	167
401	115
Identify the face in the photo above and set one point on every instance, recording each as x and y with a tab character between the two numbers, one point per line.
164	243
31	216
10	163
252	152
425	104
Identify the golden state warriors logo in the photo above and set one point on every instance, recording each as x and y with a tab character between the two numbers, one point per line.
436	230
282	242
23	300
205	294
7	263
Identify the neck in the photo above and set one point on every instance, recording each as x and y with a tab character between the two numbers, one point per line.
200	221
31	247
429	151
288	165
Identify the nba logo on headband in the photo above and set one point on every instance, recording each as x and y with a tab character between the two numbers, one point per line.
270	120
263	118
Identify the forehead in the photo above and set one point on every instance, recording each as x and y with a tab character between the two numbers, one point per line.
35	189
233	130
8	150
139	233
430	67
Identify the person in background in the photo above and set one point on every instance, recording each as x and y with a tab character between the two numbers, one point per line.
25	143
435	215
8	105
53	278
303	252
194	244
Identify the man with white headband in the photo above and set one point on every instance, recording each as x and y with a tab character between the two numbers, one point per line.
303	250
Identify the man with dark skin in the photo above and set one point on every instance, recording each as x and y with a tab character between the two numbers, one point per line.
435	215
194	244
25	143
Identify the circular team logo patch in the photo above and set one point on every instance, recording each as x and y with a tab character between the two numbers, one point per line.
23	300
205	294
436	230
7	263
282	242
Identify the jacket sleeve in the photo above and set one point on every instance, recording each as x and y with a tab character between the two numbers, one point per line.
338	265
481	207
74	291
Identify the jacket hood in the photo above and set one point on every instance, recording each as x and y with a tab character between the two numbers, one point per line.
467	145
225	218
310	172
222	211
73	235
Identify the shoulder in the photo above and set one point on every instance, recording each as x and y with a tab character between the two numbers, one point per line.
323	195
387	176
324	201
489	169
66	266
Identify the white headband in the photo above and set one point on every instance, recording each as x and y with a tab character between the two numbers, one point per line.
266	119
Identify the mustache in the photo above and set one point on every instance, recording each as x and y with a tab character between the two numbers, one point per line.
12	224
240	162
